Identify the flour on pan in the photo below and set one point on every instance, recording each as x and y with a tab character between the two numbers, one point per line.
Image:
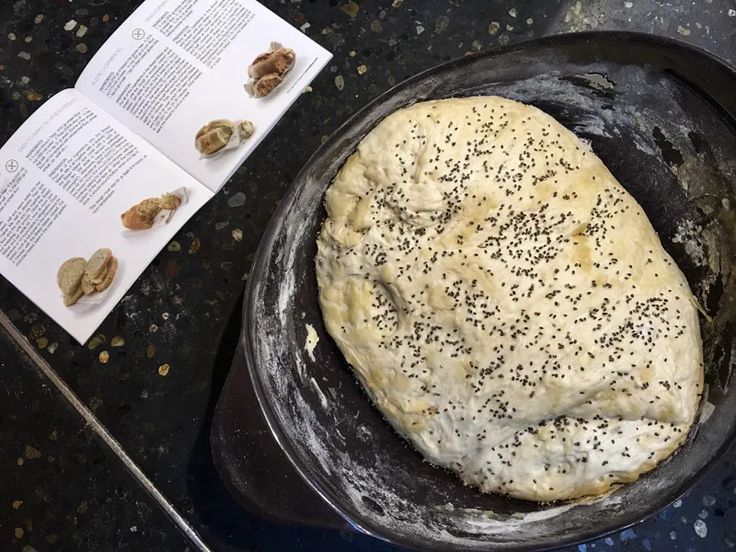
311	341
301	422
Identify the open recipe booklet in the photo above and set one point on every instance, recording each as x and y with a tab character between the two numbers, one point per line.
122	141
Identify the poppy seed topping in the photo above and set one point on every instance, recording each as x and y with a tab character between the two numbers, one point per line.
505	303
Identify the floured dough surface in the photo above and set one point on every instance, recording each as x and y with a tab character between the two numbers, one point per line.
506	303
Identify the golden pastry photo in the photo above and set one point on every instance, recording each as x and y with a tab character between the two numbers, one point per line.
142	215
267	70
222	134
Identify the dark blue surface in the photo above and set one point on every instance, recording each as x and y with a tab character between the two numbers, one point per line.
178	312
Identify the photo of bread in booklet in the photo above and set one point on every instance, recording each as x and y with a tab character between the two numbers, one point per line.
78	277
267	71
221	135
143	214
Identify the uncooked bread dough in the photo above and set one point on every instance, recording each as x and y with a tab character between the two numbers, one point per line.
506	303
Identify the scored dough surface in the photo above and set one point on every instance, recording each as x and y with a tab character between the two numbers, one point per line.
506	303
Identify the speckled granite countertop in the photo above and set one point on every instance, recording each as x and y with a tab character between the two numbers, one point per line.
152	374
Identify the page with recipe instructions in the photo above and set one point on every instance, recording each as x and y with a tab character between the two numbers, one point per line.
66	176
175	65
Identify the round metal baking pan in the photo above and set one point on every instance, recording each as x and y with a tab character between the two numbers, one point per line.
662	116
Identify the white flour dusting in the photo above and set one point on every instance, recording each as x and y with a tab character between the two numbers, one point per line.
598	81
690	236
322	397
311	341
